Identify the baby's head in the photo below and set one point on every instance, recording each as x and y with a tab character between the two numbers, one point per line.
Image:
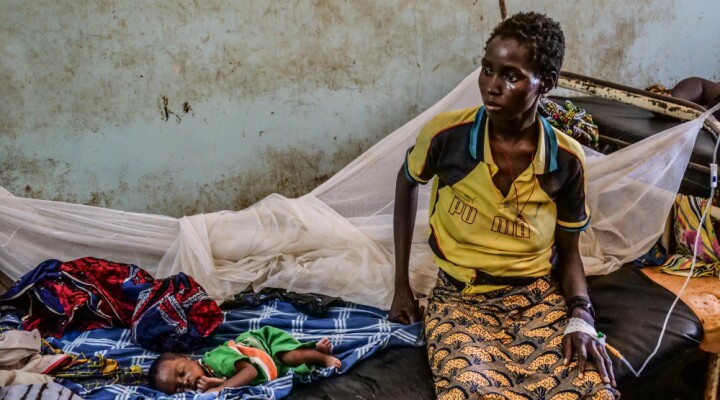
174	373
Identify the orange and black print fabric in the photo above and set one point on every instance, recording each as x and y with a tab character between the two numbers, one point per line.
505	344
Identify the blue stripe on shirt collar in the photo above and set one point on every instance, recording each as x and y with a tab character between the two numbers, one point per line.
475	132
551	146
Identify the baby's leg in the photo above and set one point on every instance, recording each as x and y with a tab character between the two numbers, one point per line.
297	357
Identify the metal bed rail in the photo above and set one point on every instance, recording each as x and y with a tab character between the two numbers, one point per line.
657	103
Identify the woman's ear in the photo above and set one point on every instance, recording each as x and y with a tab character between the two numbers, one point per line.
548	82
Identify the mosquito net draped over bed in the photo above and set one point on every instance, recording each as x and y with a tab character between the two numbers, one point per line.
337	240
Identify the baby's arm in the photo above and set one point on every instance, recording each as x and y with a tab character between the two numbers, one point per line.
245	374
208	382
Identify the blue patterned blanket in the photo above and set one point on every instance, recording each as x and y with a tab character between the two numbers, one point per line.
357	332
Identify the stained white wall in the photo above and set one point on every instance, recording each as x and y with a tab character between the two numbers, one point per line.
194	106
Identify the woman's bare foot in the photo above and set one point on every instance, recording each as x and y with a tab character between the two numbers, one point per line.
324	346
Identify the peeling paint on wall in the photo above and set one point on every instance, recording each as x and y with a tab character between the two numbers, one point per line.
190	106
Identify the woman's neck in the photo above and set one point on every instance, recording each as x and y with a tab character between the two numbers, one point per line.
517	129
513	131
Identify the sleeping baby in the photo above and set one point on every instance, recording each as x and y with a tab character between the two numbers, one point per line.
253	358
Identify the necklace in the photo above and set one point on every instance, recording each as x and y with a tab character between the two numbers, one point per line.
512	176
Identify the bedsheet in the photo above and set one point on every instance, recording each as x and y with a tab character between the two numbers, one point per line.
357	332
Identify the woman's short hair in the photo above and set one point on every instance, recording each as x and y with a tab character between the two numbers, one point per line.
541	34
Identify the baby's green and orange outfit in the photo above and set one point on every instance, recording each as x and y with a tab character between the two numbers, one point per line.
259	348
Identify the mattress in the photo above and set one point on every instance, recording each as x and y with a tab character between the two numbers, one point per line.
632	324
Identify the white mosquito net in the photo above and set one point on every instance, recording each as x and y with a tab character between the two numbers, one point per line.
337	240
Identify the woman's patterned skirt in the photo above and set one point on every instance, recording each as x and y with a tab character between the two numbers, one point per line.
506	344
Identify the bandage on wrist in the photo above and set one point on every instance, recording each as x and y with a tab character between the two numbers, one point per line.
579	325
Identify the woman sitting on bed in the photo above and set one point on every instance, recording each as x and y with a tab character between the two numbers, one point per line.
510	315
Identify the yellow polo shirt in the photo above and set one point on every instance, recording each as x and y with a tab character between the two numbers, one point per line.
472	225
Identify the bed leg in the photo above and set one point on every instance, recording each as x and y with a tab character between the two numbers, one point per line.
713	378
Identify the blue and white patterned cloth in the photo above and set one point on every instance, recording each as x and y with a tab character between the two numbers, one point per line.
356	332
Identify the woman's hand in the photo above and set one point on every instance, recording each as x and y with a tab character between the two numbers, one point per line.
404	307
585	345
572	282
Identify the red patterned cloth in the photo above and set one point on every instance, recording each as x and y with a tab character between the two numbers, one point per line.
117	285
88	293
81	294
175	315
